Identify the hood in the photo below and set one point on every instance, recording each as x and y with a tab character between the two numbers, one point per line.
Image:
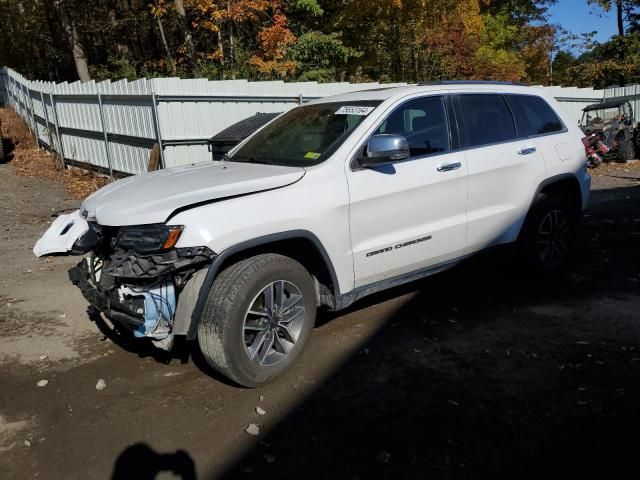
153	197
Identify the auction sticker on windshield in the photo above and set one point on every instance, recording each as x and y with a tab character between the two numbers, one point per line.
355	110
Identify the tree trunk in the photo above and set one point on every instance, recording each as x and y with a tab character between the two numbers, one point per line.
620	17
188	39
121	48
172	63
77	49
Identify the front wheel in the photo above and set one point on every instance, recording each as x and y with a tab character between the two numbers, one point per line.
548	234
257	319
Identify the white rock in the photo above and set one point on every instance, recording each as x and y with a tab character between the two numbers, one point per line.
261	398
27	443
101	385
43	357
260	411
253	429
42	383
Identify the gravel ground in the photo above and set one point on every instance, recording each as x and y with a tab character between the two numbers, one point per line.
475	373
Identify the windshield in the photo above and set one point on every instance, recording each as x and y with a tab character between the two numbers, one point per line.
306	135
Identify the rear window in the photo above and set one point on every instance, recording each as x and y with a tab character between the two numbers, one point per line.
484	119
535	116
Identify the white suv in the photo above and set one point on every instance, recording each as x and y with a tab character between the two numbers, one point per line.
330	202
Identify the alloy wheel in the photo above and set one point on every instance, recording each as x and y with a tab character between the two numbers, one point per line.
273	323
553	237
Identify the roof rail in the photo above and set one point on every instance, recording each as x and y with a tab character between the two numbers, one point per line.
471	82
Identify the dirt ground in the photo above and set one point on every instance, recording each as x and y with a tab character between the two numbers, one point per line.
475	373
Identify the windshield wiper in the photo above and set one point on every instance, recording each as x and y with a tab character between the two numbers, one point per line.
248	160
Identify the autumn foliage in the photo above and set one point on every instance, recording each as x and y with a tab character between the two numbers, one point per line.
322	40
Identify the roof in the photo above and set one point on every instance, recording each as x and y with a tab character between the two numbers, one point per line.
603	105
382	94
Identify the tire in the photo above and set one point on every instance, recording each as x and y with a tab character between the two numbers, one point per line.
235	319
1	148
627	151
548	235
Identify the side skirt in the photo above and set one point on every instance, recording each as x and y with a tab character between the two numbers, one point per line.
345	300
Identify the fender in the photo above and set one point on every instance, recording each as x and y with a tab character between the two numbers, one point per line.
551	180
214	268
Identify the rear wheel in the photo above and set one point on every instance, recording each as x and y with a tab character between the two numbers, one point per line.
548	235
627	150
1	148
257	319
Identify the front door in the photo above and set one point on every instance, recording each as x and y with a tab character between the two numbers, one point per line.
412	214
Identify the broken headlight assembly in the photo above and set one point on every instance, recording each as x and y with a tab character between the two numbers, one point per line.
147	239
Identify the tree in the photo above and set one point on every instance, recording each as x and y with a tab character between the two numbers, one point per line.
322	57
188	38
561	67
616	62
626	11
77	48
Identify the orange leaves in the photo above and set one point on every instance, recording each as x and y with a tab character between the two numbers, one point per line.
274	41
211	14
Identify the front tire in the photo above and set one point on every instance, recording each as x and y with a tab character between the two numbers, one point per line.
548	235
258	316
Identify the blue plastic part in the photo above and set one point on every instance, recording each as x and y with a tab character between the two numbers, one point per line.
159	304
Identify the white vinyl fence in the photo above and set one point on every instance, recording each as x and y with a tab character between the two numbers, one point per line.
114	125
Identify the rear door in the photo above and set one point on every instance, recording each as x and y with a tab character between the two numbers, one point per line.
502	168
410	215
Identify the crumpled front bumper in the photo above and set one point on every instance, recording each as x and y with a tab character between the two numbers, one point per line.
104	301
141	292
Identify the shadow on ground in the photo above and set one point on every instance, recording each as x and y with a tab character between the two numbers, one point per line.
8	148
139	461
486	373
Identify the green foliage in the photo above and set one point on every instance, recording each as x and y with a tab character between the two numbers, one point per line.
308	6
616	62
321	57
115	68
562	63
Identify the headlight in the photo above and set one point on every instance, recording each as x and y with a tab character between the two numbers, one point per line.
148	238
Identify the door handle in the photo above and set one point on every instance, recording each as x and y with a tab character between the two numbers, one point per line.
527	150
447	167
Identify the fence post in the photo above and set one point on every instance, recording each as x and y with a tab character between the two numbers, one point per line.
14	100
46	119
57	125
106	137
33	118
156	127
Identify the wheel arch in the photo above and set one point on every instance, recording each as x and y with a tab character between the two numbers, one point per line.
301	245
565	185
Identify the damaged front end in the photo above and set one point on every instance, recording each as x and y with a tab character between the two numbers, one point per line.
133	274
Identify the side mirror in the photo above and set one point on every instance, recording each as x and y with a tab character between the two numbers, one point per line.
385	149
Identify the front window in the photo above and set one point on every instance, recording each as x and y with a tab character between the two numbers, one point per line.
306	135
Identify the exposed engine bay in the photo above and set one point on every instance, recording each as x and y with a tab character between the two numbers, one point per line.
132	274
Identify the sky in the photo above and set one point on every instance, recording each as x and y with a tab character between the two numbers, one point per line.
578	16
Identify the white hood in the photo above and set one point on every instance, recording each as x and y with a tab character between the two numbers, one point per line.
153	197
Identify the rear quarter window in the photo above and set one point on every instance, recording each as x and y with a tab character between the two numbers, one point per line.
534	116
